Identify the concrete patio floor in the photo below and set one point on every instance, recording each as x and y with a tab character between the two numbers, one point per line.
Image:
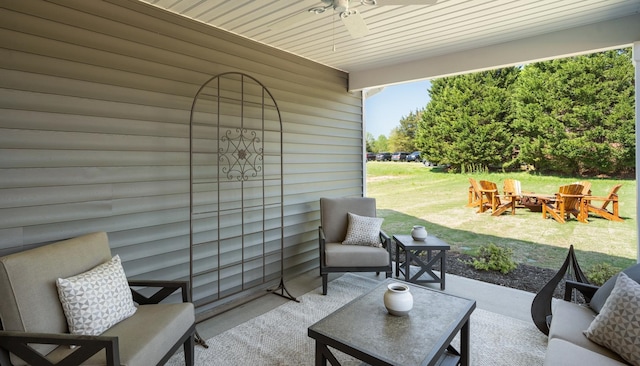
498	299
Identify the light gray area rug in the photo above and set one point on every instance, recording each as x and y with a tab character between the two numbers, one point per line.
279	337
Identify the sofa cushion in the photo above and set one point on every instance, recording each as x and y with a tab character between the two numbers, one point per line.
561	352
143	338
363	230
601	295
338	255
617	327
569	322
95	300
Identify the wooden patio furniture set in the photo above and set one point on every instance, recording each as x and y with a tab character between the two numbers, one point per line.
571	200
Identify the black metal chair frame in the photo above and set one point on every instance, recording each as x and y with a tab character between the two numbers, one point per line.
325	270
575	279
87	346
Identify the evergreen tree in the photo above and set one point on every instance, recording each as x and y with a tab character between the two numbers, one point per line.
576	115
467	121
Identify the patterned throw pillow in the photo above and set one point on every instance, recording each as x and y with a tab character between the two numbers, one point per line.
617	327
363	230
96	300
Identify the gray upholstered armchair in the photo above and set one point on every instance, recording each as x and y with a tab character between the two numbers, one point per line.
338	257
34	323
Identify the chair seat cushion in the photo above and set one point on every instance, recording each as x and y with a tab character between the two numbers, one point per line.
561	352
145	337
338	255
569	322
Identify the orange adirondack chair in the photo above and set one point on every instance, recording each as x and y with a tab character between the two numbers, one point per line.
603	210
586	187
476	197
567	202
498	206
513	190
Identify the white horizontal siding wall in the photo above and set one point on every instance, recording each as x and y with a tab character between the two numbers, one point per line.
94	113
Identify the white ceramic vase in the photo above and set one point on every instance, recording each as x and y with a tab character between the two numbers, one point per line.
419	233
398	299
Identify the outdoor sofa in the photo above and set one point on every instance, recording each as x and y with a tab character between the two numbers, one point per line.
612	305
35	323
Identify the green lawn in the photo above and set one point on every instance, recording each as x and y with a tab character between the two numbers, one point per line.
410	194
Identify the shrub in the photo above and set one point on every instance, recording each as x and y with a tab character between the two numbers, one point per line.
494	258
599	273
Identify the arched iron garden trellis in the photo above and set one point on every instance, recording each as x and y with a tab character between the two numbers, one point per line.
236	191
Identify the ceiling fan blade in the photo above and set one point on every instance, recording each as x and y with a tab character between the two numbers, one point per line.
406	2
292	21
355	23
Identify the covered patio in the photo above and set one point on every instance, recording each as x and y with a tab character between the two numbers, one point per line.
95	119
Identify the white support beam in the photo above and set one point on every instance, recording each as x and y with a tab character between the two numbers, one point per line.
618	33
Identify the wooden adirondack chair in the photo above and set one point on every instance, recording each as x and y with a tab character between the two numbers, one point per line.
586	187
476	197
498	205
567	202
603	210
513	190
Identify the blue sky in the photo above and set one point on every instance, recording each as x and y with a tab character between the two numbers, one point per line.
384	110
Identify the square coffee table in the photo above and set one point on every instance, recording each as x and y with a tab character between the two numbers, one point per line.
436	250
365	330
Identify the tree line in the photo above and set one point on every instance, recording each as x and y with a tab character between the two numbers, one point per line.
571	116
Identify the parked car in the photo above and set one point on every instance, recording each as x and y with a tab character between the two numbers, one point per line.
399	156
383	156
414	156
371	156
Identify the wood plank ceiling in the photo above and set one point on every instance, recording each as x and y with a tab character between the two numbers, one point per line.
396	33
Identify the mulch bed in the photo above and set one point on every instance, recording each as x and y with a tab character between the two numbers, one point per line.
524	277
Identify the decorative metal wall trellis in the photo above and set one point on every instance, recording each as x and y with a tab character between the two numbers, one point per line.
236	192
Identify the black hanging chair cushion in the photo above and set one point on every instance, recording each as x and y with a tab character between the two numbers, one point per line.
601	295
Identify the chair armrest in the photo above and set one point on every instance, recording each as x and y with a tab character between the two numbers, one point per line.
87	346
587	290
385	239
322	239
600	198
166	288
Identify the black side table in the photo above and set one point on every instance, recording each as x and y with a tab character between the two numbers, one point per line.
436	250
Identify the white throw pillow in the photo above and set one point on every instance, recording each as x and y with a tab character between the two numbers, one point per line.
96	300
617	327
363	230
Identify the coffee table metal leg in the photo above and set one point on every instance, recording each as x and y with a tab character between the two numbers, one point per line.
320	359
323	354
465	344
